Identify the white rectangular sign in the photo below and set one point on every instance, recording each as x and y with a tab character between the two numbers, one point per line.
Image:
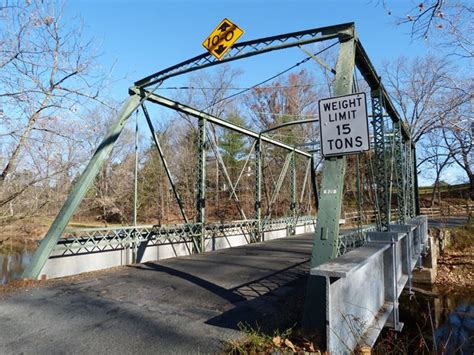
343	125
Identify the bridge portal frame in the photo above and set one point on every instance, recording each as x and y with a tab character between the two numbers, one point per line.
351	55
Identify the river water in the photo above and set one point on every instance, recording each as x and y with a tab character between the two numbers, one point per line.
436	321
13	260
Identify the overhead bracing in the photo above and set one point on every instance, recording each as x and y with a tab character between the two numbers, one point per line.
177	106
248	49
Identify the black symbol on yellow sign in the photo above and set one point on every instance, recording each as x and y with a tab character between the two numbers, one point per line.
222	38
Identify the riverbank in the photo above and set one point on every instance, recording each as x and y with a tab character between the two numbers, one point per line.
439	318
23	232
456	260
28	231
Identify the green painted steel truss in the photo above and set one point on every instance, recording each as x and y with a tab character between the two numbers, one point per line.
327	241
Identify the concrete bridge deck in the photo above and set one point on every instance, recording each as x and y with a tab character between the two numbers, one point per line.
182	305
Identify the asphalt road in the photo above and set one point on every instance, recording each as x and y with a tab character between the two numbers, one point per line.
177	306
180	306
447	222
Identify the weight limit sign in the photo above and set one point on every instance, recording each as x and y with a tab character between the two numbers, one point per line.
343	125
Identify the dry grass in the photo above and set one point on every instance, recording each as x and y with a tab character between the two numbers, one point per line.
287	342
456	262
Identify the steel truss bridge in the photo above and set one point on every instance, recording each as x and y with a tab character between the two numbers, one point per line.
393	154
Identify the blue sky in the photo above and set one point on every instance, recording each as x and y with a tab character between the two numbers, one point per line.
141	37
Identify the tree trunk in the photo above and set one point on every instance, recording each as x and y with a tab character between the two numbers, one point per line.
24	136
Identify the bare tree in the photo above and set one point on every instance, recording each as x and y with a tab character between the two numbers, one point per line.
425	90
458	136
444	23
435	159
46	73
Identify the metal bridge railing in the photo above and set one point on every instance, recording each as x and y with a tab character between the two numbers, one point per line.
353	240
77	241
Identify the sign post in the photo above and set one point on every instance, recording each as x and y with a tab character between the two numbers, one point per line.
343	125
222	38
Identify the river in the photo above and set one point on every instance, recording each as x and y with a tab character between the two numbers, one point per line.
13	260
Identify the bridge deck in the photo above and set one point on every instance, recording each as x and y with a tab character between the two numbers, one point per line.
179	305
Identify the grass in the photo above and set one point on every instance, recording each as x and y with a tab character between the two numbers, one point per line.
462	238
289	341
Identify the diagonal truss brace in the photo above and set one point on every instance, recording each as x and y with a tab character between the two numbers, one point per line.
223	168
279	184
80	189
165	164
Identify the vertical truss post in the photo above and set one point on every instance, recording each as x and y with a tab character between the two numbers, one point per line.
381	161
415	189
135	175
258	190
409	179
135	193
359	197
400	163
79	189
314	185
413	179
293	194
201	182
332	185
330	198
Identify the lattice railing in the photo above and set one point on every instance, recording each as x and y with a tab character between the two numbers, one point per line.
77	241
353	240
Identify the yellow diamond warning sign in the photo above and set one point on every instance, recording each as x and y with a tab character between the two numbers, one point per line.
222	38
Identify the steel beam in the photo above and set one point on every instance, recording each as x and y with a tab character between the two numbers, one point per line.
409	180
400	162
175	105
258	189
291	123
293	213
314	185
249	49
201	181
326	238
79	189
381	161
305	180
370	75
415	187
332	185
413	179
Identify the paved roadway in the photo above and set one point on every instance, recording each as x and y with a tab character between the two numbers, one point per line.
447	222
181	305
